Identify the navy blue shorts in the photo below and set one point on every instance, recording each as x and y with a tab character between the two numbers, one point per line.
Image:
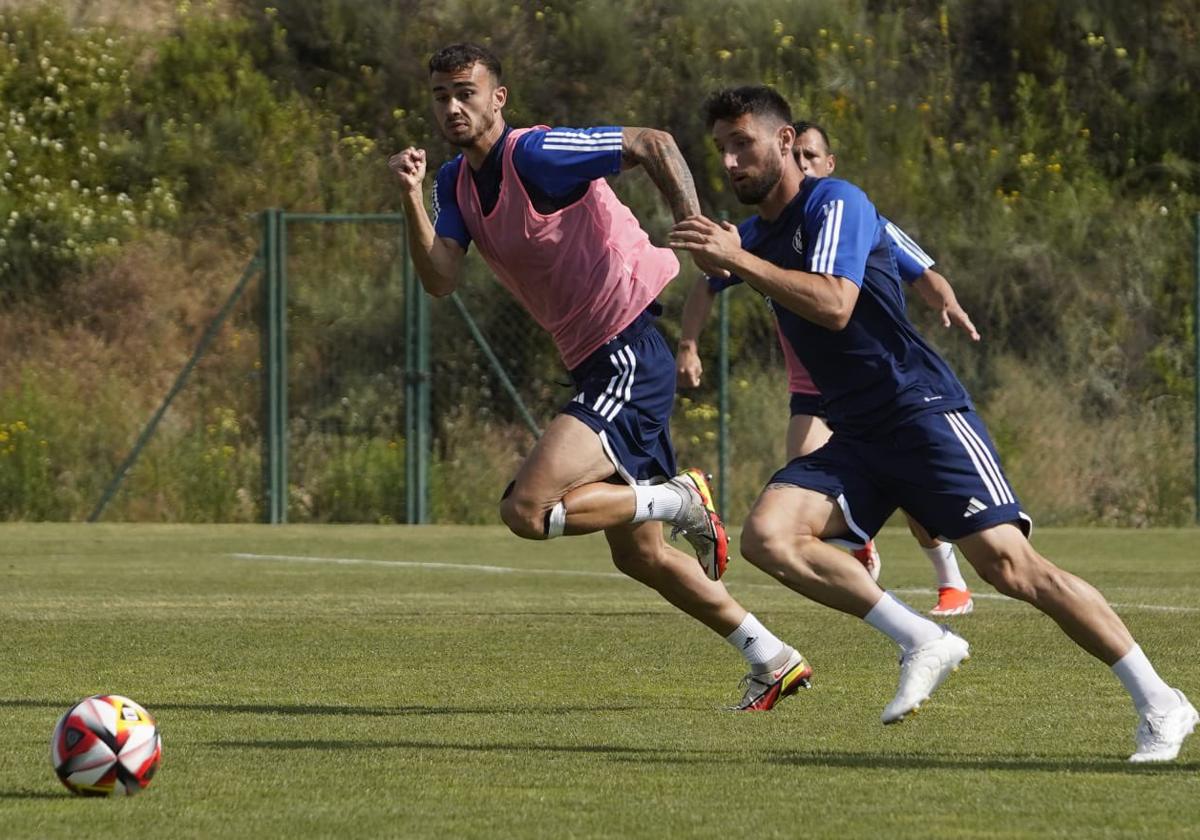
626	390
809	404
941	468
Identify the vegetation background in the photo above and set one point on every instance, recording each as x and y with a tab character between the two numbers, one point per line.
1045	154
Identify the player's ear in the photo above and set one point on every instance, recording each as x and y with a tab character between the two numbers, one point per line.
832	163
787	139
500	96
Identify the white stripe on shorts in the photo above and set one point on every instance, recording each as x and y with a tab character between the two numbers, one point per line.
620	387
982	458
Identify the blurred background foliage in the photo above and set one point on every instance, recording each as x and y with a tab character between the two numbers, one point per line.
1047	155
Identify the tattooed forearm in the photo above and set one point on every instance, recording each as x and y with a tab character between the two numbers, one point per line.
656	152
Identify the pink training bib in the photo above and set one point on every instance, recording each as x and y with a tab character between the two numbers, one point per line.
583	272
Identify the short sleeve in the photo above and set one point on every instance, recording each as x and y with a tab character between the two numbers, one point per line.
845	225
720	284
447	219
910	259
560	160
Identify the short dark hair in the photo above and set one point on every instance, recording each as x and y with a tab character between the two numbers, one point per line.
731	103
802	126
462	56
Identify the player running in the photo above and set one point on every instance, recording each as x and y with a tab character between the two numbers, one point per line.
904	429
535	203
807	430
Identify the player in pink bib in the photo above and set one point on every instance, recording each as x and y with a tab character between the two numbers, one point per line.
535	203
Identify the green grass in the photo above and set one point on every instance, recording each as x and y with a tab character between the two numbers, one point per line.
364	700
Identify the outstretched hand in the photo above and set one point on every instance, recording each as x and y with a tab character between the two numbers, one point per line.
713	245
953	314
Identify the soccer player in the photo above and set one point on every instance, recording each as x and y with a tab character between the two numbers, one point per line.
807	430
535	203
904	430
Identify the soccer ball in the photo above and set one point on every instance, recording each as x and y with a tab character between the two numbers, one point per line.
105	745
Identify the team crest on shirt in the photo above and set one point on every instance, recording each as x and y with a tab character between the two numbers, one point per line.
798	241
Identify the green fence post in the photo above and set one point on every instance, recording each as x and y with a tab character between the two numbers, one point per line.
1196	366
424	401
275	367
416	398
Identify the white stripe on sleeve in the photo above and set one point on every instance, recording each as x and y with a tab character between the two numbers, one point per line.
908	245
831	234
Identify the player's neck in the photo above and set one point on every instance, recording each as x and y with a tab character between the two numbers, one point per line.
477	152
781	194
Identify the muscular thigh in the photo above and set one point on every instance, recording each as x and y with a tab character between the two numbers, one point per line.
796	510
843	477
568	455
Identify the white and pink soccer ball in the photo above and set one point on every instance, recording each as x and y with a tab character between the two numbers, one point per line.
106	745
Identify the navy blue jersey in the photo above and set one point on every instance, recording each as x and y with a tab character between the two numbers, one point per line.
556	166
877	371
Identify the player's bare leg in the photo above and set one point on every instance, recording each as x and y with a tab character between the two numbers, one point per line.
641	552
783	537
776	669
567	461
568	485
954	598
807	433
1005	559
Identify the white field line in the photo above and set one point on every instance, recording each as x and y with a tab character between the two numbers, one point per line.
479	567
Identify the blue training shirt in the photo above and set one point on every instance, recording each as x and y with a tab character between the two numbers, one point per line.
556	165
911	259
877	372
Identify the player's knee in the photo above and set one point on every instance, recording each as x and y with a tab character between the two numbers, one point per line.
1022	574
769	546
523	516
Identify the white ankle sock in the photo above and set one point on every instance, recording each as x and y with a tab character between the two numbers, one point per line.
755	642
898	621
1143	683
658	502
945	565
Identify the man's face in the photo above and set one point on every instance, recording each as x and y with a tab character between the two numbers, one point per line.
814	157
753	151
466	103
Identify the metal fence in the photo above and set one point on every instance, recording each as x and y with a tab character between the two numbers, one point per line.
330	388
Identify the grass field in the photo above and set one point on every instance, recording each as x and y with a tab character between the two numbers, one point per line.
399	693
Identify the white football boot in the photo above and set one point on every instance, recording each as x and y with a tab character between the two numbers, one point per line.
1159	735
922	671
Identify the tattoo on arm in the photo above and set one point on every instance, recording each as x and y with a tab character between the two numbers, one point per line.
656	152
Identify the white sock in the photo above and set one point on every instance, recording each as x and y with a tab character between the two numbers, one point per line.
1143	683
657	502
898	621
945	566
755	642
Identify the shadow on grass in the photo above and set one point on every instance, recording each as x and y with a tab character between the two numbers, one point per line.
348	711
654	755
36	794
975	761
